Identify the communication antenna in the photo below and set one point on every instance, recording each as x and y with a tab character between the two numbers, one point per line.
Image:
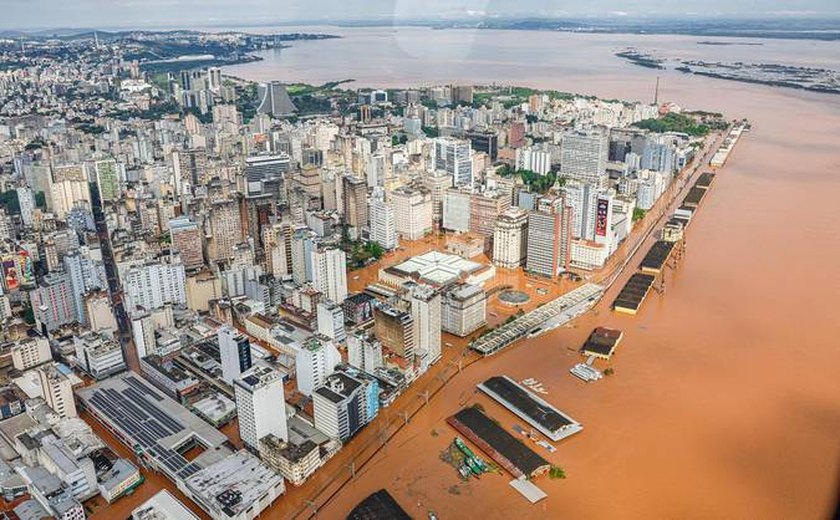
656	93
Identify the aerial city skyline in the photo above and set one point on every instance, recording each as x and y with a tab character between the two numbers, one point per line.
480	265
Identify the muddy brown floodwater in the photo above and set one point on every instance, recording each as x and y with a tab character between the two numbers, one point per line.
725	402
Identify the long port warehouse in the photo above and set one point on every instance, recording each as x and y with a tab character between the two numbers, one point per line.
547	419
657	256
633	293
558	311
505	449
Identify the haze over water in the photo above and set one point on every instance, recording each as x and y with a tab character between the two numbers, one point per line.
726	400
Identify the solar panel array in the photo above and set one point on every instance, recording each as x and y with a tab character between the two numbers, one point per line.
132	412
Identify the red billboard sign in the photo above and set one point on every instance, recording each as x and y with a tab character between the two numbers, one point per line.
602	217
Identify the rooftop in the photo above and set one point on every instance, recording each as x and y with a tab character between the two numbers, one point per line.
437	268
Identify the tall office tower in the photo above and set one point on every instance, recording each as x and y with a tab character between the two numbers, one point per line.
455	158
214	79
382	226
304	243
98	355
260	405
52	302
583	198
583	157
315	360
549	238
413	210
426	313
235	353
485	208
510	239
264	174
69	188
277	241
343	405
108	180
225	225
7	229
86	275
26	201
487	142
187	240
355	202
273	99
100	314
364	352
456	210
531	158
395	330
329	273
192	165
58	391
463	309
154	284
437	183
331	321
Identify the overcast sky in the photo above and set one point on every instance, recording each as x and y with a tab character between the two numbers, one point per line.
27	14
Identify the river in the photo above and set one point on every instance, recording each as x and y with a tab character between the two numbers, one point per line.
725	401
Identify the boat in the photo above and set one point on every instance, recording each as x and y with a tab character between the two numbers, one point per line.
432	515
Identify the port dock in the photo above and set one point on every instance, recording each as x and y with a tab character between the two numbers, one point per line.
602	342
541	415
634	292
656	258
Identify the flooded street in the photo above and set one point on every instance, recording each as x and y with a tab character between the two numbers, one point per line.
725	401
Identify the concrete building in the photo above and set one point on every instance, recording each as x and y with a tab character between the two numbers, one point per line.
296	462
534	159
162	506
58	390
456	210
235	353
382	222
329	273
437	183
343	405
395	330
98	355
30	352
108	174
426	314
52	302
413	212
99	313
355	203
485	208
454	157
583	157
510	239
187	241
331	321
315	360
155	284
549	239
463	309
364	352
224	230
86	274
260	405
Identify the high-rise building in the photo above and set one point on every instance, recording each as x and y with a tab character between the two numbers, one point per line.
510	238
331	321
426	314
30	352
344	404
364	352
533	159
583	157
264	174
273	99
463	309
437	183
100	314
86	275
413	211
108	180
455	158
487	142
582	197
456	210
26	201
69	188
382	222
355	202
260	405
235	353
329	273
154	284
549	238
485	208
225	230
52	302
315	360
187	241
98	355
395	330
58	390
